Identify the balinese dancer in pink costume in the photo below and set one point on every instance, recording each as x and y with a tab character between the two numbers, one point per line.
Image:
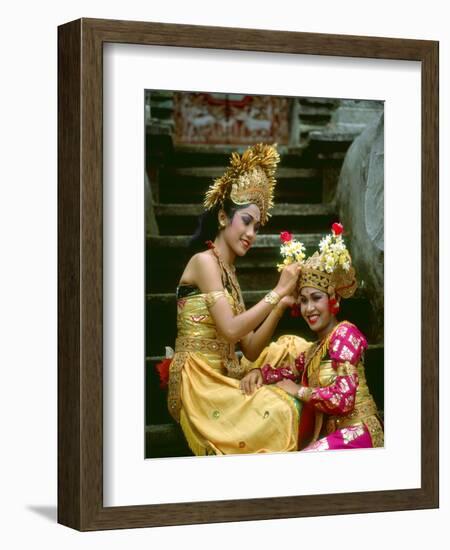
338	410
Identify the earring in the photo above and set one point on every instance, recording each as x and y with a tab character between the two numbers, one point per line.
333	306
222	225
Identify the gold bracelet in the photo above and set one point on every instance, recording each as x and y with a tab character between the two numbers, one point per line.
304	393
272	298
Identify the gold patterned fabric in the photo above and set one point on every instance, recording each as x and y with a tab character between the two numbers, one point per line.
204	395
364	411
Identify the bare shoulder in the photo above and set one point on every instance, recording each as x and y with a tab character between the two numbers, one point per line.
204	262
203	271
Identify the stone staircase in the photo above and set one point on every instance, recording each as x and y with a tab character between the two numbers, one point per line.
179	177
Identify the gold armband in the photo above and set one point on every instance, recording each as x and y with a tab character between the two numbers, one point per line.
272	298
212	297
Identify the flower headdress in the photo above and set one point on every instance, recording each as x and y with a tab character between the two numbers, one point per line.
330	270
291	250
250	178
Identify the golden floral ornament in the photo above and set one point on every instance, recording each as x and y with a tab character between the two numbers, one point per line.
250	179
291	250
330	269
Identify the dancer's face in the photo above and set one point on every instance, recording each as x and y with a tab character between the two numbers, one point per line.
240	232
314	306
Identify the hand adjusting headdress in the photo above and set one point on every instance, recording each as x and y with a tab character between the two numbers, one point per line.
250	179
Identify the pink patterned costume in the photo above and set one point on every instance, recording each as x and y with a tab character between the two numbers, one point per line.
338	412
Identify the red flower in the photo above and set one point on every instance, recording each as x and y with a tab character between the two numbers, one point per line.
333	306
163	371
285	236
296	311
337	228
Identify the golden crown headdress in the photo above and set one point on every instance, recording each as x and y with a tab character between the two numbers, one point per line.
330	269
250	179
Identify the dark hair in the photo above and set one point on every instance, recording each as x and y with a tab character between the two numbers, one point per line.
208	223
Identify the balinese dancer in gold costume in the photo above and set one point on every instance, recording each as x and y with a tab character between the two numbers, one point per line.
338	411
222	408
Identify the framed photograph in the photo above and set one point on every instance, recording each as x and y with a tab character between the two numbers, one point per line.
149	115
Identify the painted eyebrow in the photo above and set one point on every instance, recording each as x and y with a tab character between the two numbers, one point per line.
252	217
312	295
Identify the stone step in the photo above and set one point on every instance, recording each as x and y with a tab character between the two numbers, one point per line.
176	219
166	257
162	103
335	137
219	155
158	242
212	172
282	210
214	149
165	440
323	101
189	184
252	273
314	111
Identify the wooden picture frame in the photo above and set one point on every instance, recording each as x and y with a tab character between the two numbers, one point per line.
80	274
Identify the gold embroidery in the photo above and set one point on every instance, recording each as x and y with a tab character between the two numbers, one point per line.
317	352
346	369
203	345
173	398
222	348
229	279
375	430
359	414
234	368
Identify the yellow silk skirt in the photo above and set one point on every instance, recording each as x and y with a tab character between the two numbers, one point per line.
217	418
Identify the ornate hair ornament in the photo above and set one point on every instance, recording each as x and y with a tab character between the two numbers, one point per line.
250	179
291	250
330	269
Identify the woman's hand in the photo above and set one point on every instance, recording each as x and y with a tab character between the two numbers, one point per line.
289	387
251	382
288	279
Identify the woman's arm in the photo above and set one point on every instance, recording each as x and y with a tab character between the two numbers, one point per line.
205	274
346	347
336	399
253	344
